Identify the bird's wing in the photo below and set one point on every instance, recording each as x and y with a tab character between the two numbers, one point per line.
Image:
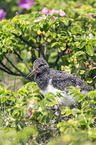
62	80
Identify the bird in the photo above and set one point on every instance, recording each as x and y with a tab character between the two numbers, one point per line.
56	81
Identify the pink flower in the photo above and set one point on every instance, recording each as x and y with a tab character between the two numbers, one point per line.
2	14
28	114
61	13
44	10
11	22
90	14
17	96
26	4
55	17
54	12
40	18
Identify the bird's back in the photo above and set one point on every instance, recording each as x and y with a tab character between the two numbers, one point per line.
62	80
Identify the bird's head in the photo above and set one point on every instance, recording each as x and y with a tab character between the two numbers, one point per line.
38	66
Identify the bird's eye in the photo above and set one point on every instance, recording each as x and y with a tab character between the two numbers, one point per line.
41	65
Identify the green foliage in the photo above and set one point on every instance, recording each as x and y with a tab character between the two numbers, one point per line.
12	7
10	136
71	138
71	33
18	127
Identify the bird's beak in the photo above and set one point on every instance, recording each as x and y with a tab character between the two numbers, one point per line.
31	73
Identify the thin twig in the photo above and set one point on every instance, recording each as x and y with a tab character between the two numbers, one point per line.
16	74
28	43
66	51
24	40
5	67
4	70
14	65
45	47
26	65
18	55
11	73
22	60
40	47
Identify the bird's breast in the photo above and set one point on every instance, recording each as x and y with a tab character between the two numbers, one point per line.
68	99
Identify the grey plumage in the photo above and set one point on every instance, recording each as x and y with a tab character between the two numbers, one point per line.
56	81
66	80
60	79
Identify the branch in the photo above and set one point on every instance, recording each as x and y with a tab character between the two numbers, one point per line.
21	59
28	43
5	67
11	73
18	55
40	47
24	40
7	70
14	65
66	51
15	74
4	70
45	47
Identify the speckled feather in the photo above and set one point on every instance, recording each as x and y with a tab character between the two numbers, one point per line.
60	79
57	81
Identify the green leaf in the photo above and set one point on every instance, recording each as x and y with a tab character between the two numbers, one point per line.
75	111
89	49
22	67
43	105
47	119
81	119
50	97
92	133
81	97
82	71
82	44
76	95
76	29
